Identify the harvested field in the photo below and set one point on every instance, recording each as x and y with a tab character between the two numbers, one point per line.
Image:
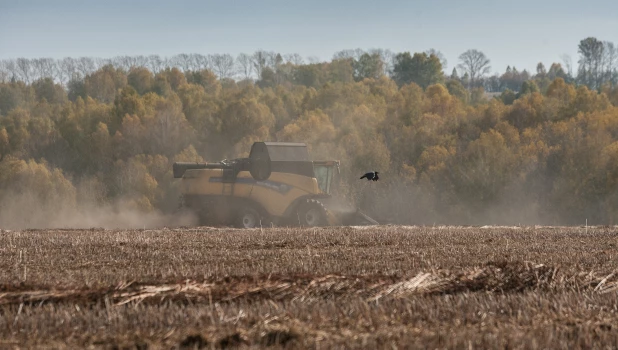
348	287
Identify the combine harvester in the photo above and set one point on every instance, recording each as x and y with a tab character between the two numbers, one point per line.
278	184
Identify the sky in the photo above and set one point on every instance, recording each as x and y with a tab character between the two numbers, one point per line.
516	33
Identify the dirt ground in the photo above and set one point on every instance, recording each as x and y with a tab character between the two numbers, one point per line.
346	287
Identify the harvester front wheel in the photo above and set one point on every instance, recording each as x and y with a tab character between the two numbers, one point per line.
248	218
312	213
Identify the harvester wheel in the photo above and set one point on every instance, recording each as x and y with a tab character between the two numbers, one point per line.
248	218
312	213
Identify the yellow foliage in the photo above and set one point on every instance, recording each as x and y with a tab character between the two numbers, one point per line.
587	101
312	127
48	186
133	179
189	154
561	91
560	144
4	143
408	172
434	159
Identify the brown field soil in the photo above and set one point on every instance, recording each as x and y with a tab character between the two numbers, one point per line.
345	287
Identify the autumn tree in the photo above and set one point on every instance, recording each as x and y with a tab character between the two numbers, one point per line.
341	70
104	83
4	143
141	79
455	150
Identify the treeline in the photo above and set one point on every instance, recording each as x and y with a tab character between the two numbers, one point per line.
597	65
544	152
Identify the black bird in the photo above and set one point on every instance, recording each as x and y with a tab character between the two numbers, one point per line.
371	176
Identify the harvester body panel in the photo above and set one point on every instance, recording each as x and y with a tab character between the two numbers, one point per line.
275	195
278	183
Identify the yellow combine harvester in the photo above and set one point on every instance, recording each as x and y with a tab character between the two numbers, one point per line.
277	184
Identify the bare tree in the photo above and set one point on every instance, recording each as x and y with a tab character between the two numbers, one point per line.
610	60
263	59
4	71
23	68
223	65
354	54
67	70
37	69
245	65
294	59
167	62
140	61
85	66
313	59
476	64
125	62
11	68
343	54
199	62
182	61
102	62
44	68
387	57
568	64
259	62
155	63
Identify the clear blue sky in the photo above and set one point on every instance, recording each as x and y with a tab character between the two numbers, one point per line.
520	33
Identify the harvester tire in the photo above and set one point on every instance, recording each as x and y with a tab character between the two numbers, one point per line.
248	218
312	213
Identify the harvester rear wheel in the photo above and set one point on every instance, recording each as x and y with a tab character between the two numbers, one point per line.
312	213
248	218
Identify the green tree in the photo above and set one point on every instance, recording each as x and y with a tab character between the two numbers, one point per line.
76	89
591	62
508	97
528	87
310	75
48	90
456	89
368	66
421	69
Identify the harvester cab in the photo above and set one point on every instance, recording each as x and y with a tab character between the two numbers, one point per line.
277	184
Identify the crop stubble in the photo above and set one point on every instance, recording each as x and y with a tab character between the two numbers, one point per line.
347	287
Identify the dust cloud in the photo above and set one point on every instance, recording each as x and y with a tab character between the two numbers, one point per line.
395	201
27	211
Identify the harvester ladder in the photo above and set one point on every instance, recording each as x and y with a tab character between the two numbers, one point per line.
228	180
227	189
